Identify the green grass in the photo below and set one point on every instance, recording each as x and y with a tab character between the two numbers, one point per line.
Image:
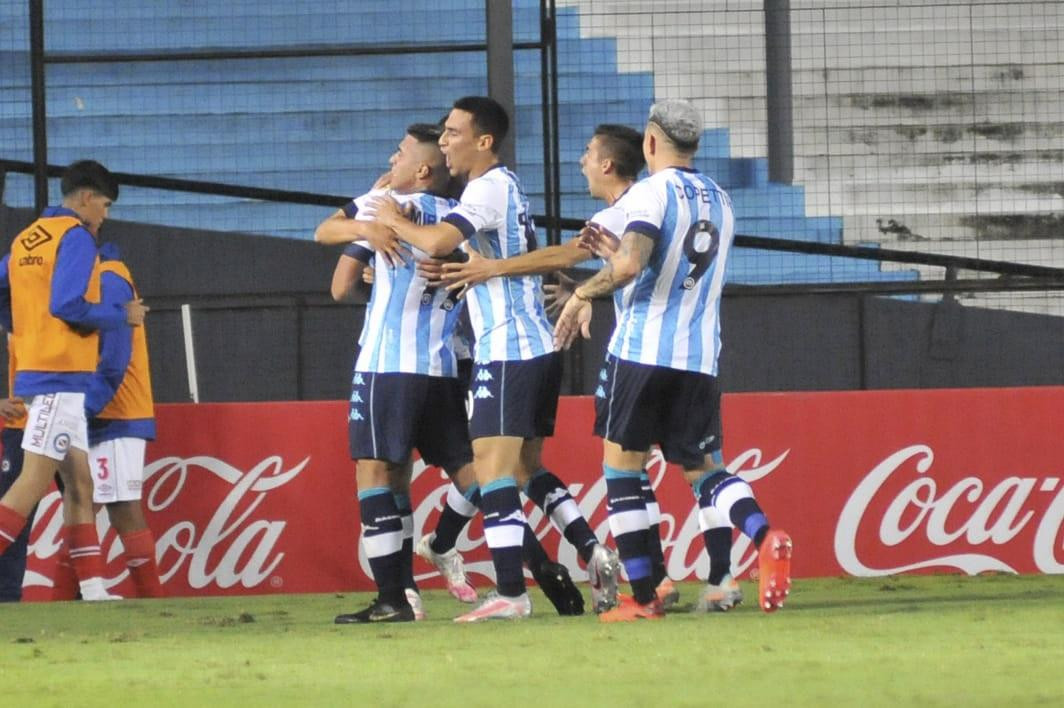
942	640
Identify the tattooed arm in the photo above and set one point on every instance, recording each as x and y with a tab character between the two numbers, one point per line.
631	257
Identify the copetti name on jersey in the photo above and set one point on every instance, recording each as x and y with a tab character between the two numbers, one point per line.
690	191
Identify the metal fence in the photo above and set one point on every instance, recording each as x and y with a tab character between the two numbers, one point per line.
909	149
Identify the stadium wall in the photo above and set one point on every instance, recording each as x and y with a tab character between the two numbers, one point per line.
260	498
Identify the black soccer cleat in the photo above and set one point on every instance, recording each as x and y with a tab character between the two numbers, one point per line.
378	612
553	579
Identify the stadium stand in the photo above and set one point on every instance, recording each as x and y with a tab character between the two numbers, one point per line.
288	124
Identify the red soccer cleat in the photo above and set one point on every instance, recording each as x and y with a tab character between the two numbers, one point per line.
628	610
774	567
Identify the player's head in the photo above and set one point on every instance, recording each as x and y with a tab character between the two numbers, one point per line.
89	189
473	132
613	157
417	163
672	133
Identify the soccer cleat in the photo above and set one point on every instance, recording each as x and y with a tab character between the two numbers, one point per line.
602	572
628	610
667	593
774	566
378	612
414	600
451	567
553	579
92	590
498	607
720	598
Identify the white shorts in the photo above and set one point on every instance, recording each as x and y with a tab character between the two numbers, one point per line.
117	470
55	422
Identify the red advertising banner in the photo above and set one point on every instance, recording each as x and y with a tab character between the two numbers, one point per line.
260	498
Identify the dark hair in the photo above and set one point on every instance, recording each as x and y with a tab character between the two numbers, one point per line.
624	146
424	132
89	174
489	117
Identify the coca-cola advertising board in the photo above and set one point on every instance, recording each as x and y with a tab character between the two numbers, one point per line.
260	498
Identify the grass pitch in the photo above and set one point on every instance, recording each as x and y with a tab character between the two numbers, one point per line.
928	640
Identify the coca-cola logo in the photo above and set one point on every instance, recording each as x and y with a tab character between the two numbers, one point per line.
232	547
968	510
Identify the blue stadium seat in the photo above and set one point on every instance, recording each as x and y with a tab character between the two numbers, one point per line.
328	125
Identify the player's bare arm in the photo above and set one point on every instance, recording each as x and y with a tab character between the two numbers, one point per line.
11	409
437	240
631	257
545	260
347	280
340	228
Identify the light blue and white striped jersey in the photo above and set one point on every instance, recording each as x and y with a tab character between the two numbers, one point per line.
507	313
613	218
670	313
409	328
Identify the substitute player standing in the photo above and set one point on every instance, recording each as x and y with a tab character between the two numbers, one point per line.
662	362
123	421
52	283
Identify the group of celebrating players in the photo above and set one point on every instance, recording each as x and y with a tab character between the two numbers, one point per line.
445	231
448	226
80	406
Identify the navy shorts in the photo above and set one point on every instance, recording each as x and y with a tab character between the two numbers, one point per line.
392	414
637	405
515	398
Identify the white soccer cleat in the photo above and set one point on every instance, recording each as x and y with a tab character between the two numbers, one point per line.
720	598
92	590
451	567
498	607
414	600
602	572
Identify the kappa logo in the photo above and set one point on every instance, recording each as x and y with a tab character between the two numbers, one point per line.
484	375
357	381
600	392
603	376
356	414
705	443
482	392
356	398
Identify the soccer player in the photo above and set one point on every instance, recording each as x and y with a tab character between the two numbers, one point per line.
51	281
405	391
662	363
611	163
517	376
123	421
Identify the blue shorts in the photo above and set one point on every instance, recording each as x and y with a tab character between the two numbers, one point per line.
637	405
515	398
392	414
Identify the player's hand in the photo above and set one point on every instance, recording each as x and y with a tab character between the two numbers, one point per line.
384	181
431	269
462	276
11	409
556	295
367	275
386	210
386	244
135	312
599	240
575	317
